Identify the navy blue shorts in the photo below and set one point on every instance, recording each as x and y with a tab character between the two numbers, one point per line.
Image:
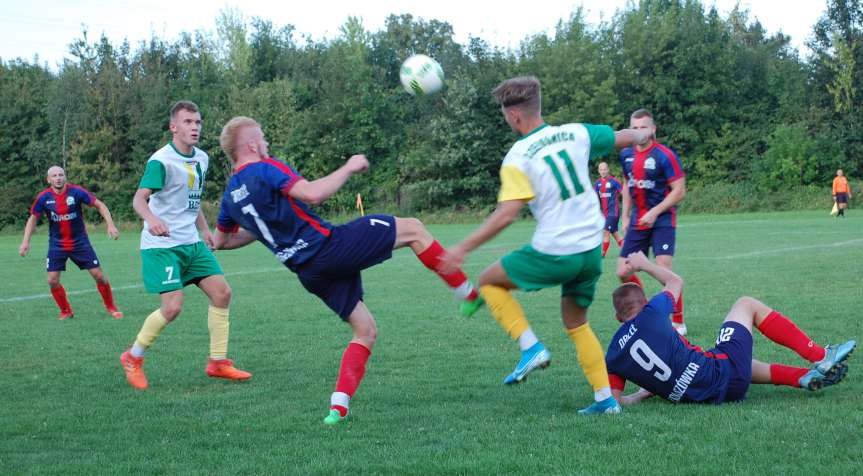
735	341
84	256
842	198
611	222
661	240
333	274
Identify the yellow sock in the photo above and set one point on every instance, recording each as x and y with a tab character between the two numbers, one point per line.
151	329
217	322
505	309
590	356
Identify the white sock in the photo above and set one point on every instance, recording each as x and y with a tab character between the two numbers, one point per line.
137	350
527	339
602	394
341	399
463	291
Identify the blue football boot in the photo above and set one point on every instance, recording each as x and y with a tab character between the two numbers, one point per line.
537	357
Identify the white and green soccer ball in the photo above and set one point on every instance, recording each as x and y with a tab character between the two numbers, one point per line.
421	75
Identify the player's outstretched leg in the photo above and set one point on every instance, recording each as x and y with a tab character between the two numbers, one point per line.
509	314
411	232
353	366
218	364
783	331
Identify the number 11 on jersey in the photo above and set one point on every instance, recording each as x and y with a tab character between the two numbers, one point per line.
558	177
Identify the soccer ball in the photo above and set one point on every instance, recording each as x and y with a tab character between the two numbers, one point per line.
421	75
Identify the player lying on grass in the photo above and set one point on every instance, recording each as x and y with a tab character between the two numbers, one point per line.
266	201
647	350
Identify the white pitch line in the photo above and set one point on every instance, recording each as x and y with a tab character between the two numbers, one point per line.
781	250
235	273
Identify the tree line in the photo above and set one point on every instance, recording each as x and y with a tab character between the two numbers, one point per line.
742	107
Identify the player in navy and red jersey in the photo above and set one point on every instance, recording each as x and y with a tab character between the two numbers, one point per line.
67	237
608	190
647	350
265	200
655	184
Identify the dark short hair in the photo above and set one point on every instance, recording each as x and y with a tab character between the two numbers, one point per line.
523	91
627	297
638	114
183	106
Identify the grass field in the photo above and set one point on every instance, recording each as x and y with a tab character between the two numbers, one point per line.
432	400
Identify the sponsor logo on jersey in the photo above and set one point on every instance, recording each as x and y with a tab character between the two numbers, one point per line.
650	164
287	253
682	382
605	195
65	217
629	159
643	184
607	185
239	193
50	202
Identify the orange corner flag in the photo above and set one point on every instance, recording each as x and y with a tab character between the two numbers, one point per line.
360	205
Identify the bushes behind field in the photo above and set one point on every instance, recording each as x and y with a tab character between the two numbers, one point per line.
746	197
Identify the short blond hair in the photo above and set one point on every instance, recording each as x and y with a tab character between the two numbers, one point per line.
228	137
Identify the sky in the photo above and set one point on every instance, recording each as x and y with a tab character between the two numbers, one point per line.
46	27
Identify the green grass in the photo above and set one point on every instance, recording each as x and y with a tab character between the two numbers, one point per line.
432	400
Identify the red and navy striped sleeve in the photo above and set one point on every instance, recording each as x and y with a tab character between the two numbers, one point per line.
281	175
39	204
670	164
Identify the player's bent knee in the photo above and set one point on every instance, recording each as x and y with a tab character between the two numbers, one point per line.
746	302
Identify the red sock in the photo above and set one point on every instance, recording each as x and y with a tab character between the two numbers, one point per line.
677	316
620	243
59	294
605	245
786	375
351	373
457	280
107	297
783	331
632	279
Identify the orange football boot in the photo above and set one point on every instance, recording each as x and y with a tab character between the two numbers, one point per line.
134	370
224	368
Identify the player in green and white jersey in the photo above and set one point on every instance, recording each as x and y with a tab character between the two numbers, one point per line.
173	255
547	168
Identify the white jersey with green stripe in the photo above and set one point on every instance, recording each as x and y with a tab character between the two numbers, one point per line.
549	168
177	181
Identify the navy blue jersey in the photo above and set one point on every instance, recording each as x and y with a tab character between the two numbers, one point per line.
608	191
257	200
649	174
649	352
66	228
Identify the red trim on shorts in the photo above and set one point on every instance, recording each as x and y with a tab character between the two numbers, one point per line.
709	355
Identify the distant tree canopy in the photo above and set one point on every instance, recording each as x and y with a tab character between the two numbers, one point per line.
737	104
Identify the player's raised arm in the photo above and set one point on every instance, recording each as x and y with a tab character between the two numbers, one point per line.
672	283
628	137
317	191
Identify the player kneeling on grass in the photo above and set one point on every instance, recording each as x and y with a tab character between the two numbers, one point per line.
266	201
648	351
